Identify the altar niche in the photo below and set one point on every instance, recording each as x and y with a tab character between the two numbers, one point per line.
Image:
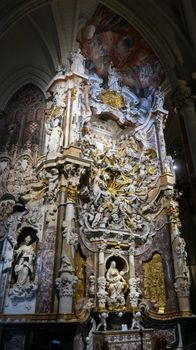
116	284
23	284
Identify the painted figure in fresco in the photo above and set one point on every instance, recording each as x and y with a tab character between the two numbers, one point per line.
24	262
116	285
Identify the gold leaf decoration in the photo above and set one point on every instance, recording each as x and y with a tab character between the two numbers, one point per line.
113	99
154	284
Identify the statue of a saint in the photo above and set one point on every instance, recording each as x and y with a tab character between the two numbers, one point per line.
116	286
113	79
78	62
24	262
54	130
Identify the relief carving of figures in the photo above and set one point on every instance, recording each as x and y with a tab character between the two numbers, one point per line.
67	280
52	178
180	257
116	286
17	172
122	175
102	293
154	283
68	233
135	291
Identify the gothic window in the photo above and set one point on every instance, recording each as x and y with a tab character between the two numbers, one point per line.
23	122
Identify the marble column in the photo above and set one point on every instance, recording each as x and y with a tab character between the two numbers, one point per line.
67	279
102	294
160	139
182	277
189	116
134	282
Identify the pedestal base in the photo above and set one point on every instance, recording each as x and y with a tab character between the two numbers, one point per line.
123	340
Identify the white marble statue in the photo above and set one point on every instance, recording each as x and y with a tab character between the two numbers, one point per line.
78	61
116	285
24	262
113	79
137	318
54	131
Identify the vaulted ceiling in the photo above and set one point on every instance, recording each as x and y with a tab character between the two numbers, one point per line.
38	35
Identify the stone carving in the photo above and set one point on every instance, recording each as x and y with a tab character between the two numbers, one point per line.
116	286
24	260
158	100
66	282
17	171
102	293
55	133
89	339
113	79
154	284
182	282
78	60
91	285
72	175
25	257
95	86
103	316
70	236
123	173
135	291
46	284
137	318
52	178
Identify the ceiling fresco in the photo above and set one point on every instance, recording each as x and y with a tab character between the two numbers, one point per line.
107	40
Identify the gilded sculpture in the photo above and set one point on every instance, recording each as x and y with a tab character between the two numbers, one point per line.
154	282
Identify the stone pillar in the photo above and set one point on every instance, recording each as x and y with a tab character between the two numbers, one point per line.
160	138
102	294
67	123
182	278
183	103
134	282
190	20
131	260
67	279
46	290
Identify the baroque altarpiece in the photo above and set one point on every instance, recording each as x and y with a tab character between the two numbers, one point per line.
89	216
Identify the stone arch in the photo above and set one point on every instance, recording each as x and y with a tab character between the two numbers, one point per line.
24	118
